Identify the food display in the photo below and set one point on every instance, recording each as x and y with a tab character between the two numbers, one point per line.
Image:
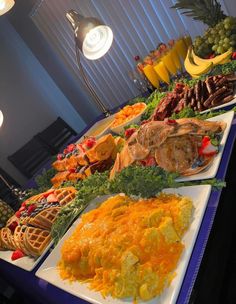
27	232
186	146
128	248
205	94
83	159
129	114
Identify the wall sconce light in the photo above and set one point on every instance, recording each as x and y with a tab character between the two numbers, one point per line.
1	118
93	38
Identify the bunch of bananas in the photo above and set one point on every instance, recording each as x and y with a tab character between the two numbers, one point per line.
197	66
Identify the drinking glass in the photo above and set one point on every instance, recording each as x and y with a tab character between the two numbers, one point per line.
162	72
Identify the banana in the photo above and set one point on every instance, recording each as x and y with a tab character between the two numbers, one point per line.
194	69
219	59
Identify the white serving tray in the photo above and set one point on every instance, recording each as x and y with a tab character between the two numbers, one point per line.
211	170
27	263
48	270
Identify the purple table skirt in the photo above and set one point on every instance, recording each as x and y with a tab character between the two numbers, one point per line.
43	292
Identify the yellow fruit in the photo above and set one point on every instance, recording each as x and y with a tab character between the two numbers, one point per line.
220	59
194	69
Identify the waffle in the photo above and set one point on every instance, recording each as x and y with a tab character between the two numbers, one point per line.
71	162
36	240
45	218
19	239
65	195
75	176
6	238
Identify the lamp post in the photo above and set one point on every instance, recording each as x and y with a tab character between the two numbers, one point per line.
93	39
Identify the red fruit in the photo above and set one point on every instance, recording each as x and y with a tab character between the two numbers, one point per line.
207	149
13	226
23	204
65	151
31	209
233	56
212	55
18	214
52	198
136	58
48	193
72	170
129	132
169	121
150	161
89	143
22	208
71	147
17	254
60	156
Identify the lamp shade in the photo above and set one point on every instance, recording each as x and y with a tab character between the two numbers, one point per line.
92	37
5	6
1	118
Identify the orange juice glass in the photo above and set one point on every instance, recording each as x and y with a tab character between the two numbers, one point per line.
175	58
151	75
161	71
169	63
181	47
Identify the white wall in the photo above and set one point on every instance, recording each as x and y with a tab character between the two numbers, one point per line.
29	99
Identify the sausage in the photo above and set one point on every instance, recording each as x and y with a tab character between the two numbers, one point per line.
213	96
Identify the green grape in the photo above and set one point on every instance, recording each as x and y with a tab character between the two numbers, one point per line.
214	48
210	40
220	50
221	32
226	46
227	26
226	40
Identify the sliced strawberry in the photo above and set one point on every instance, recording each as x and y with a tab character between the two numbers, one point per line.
129	132
60	156
207	149
22	208
13	226
89	143
18	214
17	254
52	198
23	204
71	147
150	161
31	208
45	195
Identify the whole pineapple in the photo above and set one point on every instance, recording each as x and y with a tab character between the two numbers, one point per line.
5	213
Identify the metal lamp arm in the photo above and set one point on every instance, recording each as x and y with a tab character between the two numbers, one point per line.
89	86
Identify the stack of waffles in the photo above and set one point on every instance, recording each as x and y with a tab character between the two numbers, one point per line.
29	229
83	159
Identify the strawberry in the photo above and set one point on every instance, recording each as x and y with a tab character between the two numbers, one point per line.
169	121
60	156
22	208
23	204
45	195
207	149
233	56
71	147
72	170
18	214
52	198
31	208
150	161
17	254
212	55
89	143
13	226
129	132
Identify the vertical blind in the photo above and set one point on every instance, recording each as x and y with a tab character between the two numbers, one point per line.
138	27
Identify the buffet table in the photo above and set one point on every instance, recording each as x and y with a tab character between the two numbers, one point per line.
38	291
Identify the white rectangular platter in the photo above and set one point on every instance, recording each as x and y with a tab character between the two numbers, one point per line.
95	128
222	106
27	263
210	172
48	270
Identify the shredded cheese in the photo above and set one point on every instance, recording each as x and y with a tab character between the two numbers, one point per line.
128	248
